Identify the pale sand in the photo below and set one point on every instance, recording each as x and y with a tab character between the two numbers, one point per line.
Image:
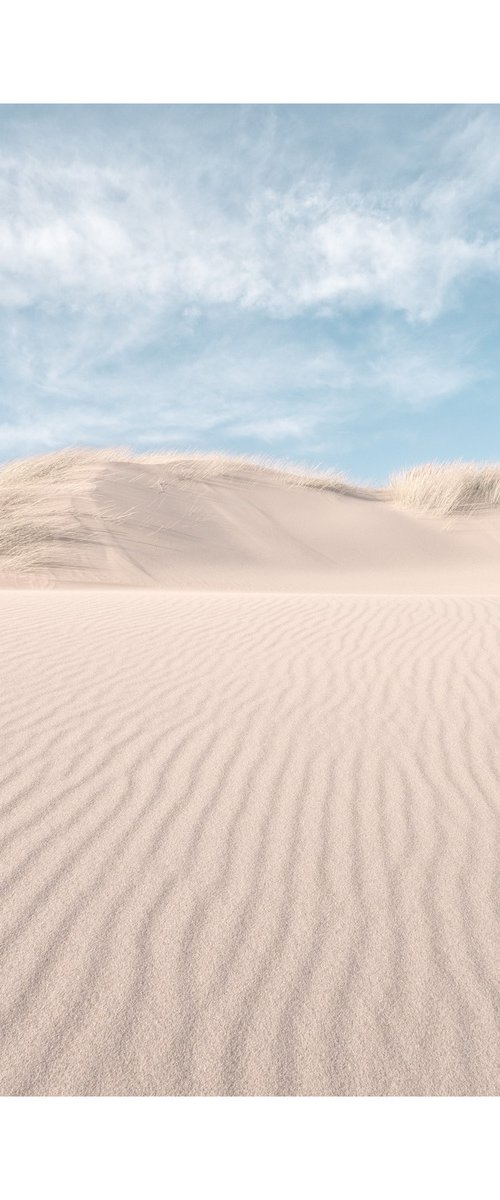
248	841
134	524
249	806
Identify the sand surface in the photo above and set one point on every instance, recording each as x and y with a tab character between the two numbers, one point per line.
248	839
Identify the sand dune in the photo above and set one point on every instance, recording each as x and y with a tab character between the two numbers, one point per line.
250	782
248	843
226	525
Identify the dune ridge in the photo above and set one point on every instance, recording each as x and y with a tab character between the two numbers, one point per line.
249	844
213	522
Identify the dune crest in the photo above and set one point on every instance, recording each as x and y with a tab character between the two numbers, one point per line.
198	522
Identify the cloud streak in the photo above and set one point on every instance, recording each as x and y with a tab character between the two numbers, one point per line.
83	232
240	275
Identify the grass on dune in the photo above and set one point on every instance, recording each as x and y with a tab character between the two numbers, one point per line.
35	512
207	467
32	511
448	488
35	493
58	466
35	508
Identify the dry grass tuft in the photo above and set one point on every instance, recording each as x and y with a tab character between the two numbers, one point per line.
35	508
32	510
448	488
207	467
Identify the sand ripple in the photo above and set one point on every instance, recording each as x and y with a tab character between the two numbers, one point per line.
248	844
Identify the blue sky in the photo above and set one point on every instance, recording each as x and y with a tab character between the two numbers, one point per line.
320	283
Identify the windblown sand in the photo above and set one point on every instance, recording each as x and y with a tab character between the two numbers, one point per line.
249	839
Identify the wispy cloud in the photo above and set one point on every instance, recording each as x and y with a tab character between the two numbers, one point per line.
83	232
227	274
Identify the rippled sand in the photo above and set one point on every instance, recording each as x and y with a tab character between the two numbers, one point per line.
247	843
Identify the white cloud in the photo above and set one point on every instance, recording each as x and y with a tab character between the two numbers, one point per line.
255	388
84	233
418	379
273	429
146	295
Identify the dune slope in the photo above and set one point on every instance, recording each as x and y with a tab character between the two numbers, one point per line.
248	844
140	523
